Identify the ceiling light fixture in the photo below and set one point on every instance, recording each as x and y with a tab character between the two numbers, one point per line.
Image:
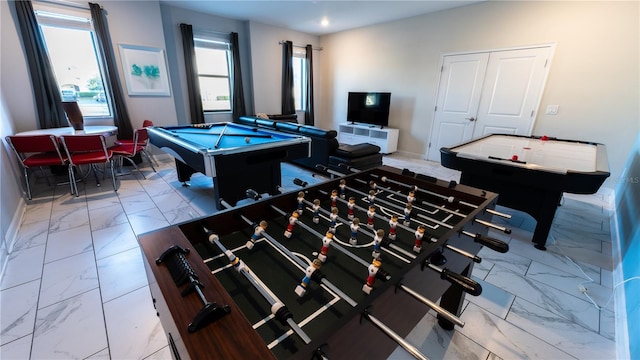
324	21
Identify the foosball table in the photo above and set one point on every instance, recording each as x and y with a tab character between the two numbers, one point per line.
343	269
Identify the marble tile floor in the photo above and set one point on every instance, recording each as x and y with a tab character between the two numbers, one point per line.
75	286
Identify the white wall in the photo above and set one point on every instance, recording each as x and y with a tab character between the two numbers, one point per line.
594	77
266	65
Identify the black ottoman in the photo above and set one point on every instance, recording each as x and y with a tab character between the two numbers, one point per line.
360	156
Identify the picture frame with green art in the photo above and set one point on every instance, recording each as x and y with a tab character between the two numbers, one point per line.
145	70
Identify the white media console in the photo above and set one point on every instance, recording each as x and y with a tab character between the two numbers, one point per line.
386	138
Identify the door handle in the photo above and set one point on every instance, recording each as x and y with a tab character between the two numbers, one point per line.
471	119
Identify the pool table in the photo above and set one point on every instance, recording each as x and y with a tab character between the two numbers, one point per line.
530	173
236	157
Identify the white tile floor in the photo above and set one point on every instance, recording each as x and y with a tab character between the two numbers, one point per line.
75	286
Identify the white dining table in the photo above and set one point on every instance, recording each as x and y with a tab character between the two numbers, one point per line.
106	130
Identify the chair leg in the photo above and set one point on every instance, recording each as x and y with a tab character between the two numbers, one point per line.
134	165
113	175
26	181
149	159
72	181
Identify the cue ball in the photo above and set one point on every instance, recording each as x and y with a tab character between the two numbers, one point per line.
247	139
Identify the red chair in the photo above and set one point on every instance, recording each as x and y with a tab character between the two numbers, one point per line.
87	150
129	150
36	151
145	124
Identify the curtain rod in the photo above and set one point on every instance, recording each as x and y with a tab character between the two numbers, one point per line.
302	46
65	3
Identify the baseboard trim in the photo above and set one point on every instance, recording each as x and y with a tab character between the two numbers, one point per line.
11	235
619	299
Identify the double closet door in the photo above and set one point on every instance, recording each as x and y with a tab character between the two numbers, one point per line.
484	93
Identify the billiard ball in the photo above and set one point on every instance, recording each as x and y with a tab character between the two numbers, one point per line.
247	139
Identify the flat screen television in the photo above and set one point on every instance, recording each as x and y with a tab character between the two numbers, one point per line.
369	108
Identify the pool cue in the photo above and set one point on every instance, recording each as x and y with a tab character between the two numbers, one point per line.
435	307
278	308
393	335
220	136
301	263
207	133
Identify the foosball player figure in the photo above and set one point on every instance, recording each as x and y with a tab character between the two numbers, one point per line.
311	269
350	206
355	224
407	215
326	243
316	211
343	188
417	244
334	198
411	197
292	222
375	271
372	197
300	202
393	222
373	185
377	241
370	215
257	234
333	219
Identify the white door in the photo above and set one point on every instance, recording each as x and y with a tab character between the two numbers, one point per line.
488	93
459	92
512	90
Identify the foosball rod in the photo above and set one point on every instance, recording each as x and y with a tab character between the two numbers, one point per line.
435	307
399	193
276	304
449	199
494	244
317	234
371	235
387	243
300	262
432	239
393	335
438	222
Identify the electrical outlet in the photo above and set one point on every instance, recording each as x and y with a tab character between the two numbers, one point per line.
552	110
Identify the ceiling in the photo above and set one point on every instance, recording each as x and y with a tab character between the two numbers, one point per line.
306	15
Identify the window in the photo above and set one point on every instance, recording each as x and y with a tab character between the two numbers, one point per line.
213	57
299	79
77	68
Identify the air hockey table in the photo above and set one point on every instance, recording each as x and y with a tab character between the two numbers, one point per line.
334	316
530	173
237	157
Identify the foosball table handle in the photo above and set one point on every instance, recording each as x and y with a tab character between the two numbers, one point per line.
494	244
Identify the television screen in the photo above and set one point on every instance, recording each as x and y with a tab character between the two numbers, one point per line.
369	108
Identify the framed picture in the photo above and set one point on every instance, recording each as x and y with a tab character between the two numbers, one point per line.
145	70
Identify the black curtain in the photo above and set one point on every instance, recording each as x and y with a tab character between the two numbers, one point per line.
111	79
238	108
46	92
288	101
308	112
193	85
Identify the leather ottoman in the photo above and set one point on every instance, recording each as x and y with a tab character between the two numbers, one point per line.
360	156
